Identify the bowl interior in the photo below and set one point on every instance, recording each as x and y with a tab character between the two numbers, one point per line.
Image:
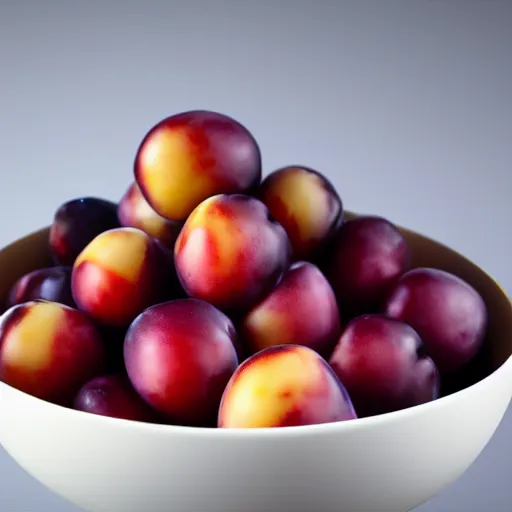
32	252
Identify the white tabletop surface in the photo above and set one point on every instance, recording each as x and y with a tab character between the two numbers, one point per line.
406	106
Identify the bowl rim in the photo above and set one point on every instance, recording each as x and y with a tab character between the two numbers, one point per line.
491	380
339	427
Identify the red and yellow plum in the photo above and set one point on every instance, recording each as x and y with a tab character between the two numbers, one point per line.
306	204
114	396
76	223
300	310
230	252
449	315
368	255
382	364
188	157
284	386
134	211
179	356
49	350
52	283
118	275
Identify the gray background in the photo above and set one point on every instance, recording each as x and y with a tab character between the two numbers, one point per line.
405	105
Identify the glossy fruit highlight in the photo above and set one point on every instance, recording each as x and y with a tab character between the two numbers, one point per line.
382	364
448	314
306	204
300	310
284	386
179	356
49	350
118	275
188	157
230	252
76	223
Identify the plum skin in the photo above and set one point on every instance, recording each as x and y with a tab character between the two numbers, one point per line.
284	386
120	273
231	252
381	362
179	356
113	396
134	211
76	223
449	315
190	156
52	284
307	205
368	255
300	310
49	350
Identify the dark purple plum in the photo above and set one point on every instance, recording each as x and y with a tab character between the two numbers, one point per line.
449	315
76	223
179	356
382	364
368	255
114	396
52	283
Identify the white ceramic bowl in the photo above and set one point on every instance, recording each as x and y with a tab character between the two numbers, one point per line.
389	463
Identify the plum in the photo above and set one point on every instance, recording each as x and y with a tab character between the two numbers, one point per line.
134	211
49	350
120	273
368	255
230	252
300	310
449	315
76	223
179	356
52	283
306	204
190	156
381	362
284	386
113	395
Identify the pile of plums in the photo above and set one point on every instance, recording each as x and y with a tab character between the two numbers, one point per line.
209	296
